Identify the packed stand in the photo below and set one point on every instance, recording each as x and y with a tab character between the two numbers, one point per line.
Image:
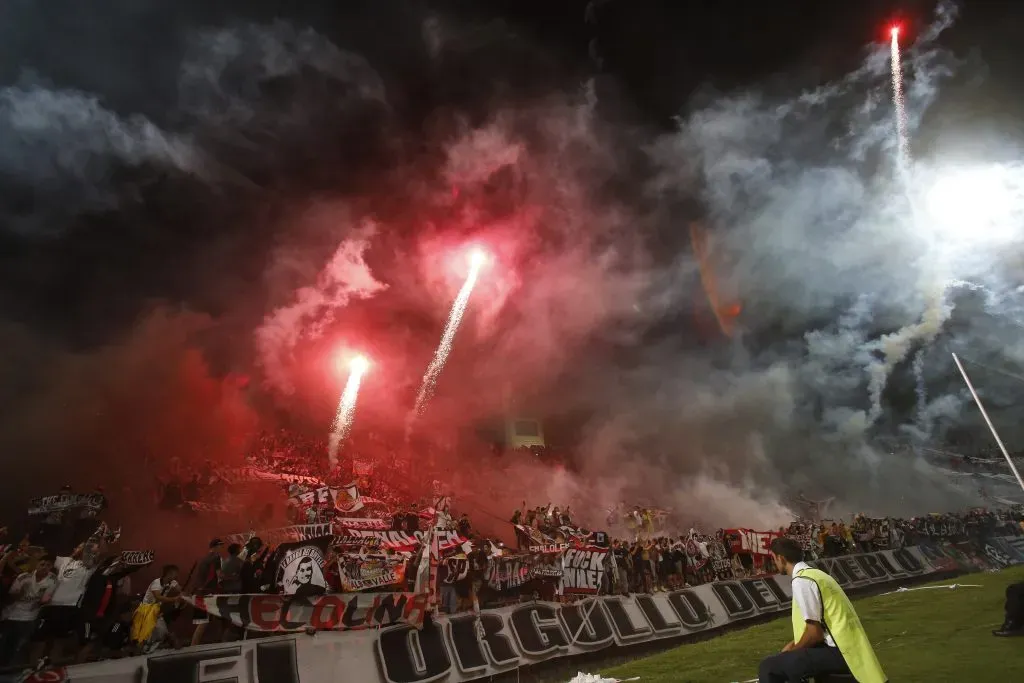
69	594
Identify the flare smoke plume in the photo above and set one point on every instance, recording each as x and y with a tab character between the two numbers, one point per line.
291	186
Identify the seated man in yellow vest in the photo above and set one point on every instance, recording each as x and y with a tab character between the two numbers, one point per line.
827	635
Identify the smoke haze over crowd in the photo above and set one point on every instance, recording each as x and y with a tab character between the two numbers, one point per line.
229	195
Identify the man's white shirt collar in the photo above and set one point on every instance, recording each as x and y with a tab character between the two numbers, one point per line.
799	567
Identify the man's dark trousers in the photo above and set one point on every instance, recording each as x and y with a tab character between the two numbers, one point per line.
798	665
1015	603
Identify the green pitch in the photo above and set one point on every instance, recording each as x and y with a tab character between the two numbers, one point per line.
927	636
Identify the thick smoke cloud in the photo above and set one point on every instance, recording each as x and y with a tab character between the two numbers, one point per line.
322	186
60	148
839	291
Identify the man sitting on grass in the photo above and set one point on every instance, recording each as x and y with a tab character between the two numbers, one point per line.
1014	624
827	635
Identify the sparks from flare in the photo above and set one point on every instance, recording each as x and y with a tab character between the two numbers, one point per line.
895	59
477	260
346	407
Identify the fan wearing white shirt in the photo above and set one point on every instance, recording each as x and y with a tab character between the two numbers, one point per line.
63	616
30	591
828	637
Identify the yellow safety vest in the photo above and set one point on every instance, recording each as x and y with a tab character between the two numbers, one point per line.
843	624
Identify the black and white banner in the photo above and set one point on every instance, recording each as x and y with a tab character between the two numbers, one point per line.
508	574
254	474
470	647
360	524
302	532
285	534
300	567
454	568
137	558
399	541
1005	551
66	501
583	570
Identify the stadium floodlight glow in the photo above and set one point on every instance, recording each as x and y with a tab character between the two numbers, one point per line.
976	204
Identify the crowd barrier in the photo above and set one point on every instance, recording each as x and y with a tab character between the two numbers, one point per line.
468	647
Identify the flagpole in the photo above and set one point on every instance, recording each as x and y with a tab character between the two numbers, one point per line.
991	427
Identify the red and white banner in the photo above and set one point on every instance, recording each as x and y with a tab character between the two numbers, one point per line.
750	541
323	495
331	612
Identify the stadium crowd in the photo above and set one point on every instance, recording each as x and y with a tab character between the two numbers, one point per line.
70	594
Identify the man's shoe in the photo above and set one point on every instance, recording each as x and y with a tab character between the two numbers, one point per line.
1009	629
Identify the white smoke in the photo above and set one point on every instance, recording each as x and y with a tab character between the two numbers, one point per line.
313	308
228	76
839	291
67	144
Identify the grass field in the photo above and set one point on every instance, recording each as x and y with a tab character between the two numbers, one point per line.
920	636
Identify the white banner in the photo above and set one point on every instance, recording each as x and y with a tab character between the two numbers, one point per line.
469	647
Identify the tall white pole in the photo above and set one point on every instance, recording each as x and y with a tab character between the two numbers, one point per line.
991	427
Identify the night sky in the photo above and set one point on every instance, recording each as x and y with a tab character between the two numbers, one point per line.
76	282
173	173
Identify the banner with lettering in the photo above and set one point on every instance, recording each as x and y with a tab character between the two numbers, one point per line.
66	501
583	570
750	541
323	495
255	474
476	646
137	558
360	523
300	567
330	612
454	568
285	534
508	573
399	541
359	572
